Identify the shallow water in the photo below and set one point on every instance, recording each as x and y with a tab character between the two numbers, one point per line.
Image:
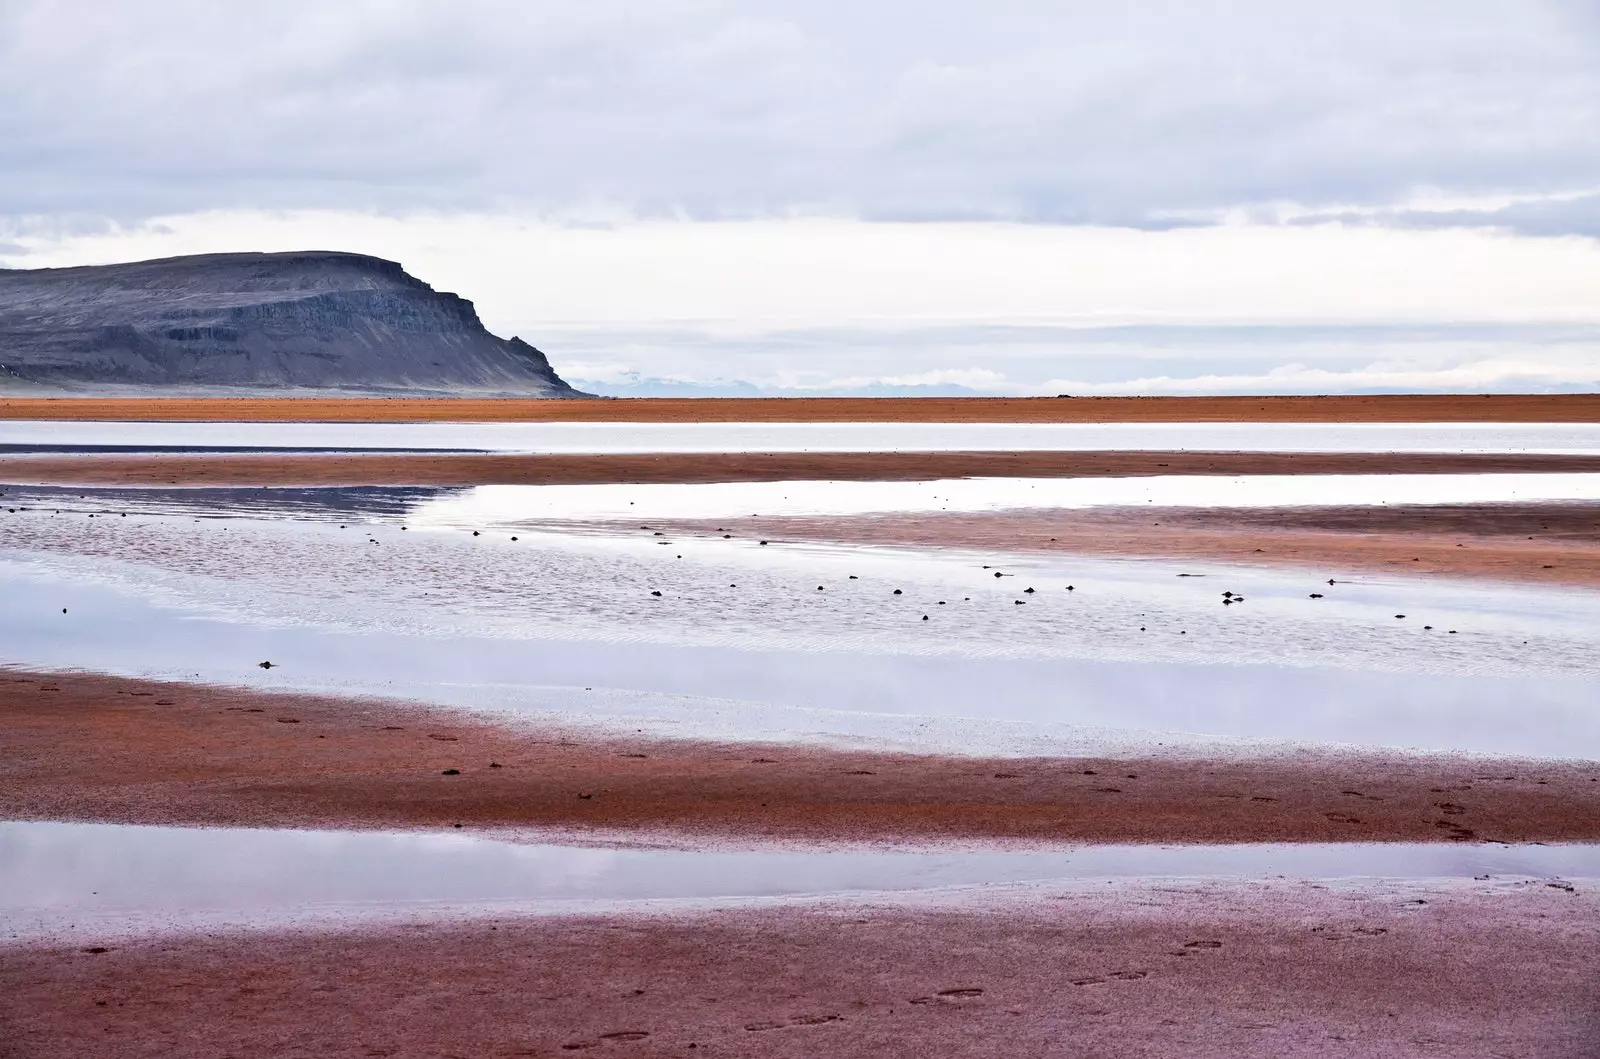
741	644
510	505
55	874
1577	438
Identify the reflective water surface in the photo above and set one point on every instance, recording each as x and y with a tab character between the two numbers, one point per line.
741	643
55	874
511	504
807	437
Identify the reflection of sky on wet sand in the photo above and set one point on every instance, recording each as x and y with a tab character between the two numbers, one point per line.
813	437
57	875
510	505
741	643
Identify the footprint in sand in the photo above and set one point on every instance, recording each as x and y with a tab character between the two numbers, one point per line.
797	1020
946	995
1327	934
1116	976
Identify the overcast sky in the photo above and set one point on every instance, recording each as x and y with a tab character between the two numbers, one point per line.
823	196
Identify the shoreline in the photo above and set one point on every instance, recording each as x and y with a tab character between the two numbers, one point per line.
468	469
1342	408
101	748
1540	543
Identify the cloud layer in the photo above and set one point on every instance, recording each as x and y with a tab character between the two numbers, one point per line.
1153	114
737	196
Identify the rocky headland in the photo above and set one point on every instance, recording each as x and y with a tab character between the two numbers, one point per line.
233	323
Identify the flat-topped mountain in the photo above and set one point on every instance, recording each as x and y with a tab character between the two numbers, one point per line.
225	322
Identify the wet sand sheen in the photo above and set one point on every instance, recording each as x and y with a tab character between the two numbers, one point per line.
1547	543
87	747
1267	969
468	469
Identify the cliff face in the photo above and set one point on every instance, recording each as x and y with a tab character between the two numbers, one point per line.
223	322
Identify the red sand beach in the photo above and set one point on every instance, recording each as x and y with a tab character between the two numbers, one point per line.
1137	972
1202	970
88	747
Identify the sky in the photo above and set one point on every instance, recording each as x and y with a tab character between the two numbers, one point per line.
701	197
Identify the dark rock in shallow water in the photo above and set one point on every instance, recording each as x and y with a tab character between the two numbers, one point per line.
221	323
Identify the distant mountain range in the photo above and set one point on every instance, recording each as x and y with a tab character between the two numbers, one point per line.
230	323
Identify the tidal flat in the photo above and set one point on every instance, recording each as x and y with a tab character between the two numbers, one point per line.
1282	731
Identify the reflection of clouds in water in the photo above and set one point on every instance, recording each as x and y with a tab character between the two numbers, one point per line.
550	586
324	503
1133	656
509	504
823	437
56	873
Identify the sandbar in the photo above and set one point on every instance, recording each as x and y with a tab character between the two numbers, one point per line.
1139	971
92	747
1337	408
468	469
1541	543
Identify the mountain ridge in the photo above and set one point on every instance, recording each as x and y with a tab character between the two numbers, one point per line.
310	320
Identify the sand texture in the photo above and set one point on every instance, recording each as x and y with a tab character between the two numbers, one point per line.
1554	543
1354	408
88	747
466	469
1137	972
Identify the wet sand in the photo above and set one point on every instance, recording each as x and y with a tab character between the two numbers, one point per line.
1273	969
1552	543
1352	408
1546	543
461	469
90	747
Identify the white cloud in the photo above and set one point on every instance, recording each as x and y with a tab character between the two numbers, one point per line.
740	193
751	277
818	305
1029	110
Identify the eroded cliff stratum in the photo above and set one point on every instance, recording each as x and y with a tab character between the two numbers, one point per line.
220	323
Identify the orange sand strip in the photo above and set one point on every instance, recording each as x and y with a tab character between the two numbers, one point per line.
1355	408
